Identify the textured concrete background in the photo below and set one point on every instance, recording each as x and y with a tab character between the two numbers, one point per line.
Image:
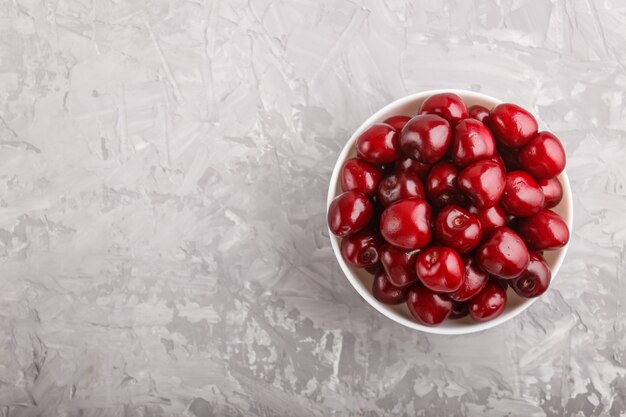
163	170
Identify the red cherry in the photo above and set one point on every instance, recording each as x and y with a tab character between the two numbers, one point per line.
489	303
503	254
522	195
512	125
406	223
441	185
535	280
425	138
552	192
410	164
397	122
447	105
543	157
544	230
378	144
472	141
358	175
348	213
440	269
497	158
474	280
483	183
362	249
479	113
428	307
385	292
457	228
489	218
399	265
399	186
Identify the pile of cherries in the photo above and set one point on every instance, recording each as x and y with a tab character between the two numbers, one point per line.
449	208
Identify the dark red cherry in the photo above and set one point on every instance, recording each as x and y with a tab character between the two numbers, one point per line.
410	164
544	230
503	254
489	303
447	105
425	138
483	183
472	141
440	269
397	122
543	157
459	310
552	192
358	175
479	113
457	228
512	125
474	280
406	223
399	265
362	249
348	213
442	187
510	158
522	195
428	307
535	280
399	186
489	218
385	292
378	144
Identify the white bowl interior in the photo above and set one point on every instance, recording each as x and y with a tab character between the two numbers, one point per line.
362	280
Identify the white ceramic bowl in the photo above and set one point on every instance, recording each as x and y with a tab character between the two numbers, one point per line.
362	281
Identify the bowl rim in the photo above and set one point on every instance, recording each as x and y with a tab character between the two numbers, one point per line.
333	191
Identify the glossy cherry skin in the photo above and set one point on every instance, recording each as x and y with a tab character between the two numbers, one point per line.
489	303
497	158
457	228
483	183
503	254
428	307
397	122
544	230
459	310
362	249
399	186
543	157
552	192
447	105
535	280
410	164
442	187
425	138
387	293
489	218
474	279
522	195
512	125
479	113
406	223
472	141
378	144
440	269
348	213
399	265
358	175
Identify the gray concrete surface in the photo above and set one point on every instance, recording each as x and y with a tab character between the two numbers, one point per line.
163	170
